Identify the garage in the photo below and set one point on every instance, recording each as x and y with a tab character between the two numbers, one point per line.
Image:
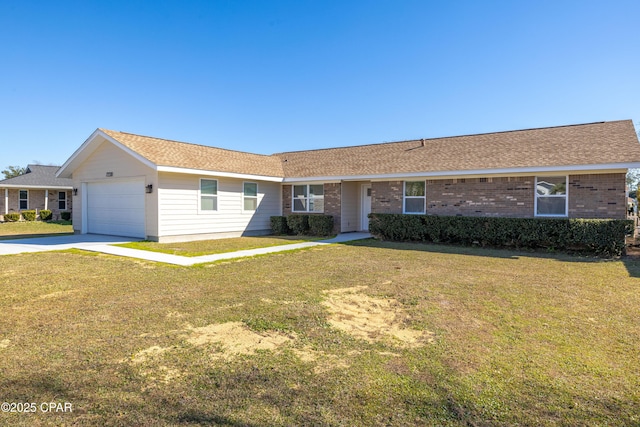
116	208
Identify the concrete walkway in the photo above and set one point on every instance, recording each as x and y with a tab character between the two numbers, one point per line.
103	244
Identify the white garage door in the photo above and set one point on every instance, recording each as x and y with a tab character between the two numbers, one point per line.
116	208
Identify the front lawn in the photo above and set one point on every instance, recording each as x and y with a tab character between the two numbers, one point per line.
16	230
369	333
218	246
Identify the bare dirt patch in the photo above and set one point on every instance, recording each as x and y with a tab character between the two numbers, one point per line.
372	319
235	338
147	354
5	343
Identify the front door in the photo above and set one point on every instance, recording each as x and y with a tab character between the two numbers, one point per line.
366	206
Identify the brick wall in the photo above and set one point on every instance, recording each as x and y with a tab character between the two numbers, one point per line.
387	197
506	197
286	200
332	203
597	196
590	196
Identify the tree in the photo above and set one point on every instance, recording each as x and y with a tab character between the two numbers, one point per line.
12	171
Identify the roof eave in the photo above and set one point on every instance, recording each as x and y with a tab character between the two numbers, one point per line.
483	172
38	187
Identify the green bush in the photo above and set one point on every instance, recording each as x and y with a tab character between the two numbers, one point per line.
66	216
599	236
299	224
12	217
45	215
279	225
320	225
29	215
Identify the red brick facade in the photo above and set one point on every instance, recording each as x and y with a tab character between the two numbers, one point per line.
508	197
598	196
589	196
387	197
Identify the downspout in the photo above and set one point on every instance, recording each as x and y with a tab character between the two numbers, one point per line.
46	199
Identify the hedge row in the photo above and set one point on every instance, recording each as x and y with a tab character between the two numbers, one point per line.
31	215
302	225
602	237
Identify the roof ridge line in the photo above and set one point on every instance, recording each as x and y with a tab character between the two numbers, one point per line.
446	137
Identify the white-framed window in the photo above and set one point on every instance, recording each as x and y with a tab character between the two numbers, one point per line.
208	195
308	198
23	199
249	196
62	200
415	198
551	196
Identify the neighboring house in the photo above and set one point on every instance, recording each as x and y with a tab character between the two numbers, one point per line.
37	189
165	190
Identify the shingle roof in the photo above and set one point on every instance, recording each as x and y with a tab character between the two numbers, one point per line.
599	143
38	176
163	152
587	144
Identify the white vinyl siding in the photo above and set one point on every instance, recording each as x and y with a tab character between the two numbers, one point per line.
350	217
180	214
551	196
415	199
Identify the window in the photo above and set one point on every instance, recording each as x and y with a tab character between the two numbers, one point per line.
308	198
415	198
551	196
24	199
62	200
208	195
250	202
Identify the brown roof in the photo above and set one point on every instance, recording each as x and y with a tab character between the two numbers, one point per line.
587	144
163	152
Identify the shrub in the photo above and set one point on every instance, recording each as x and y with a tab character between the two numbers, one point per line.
66	215
279	225
606	237
45	215
12	217
299	224
320	225
29	215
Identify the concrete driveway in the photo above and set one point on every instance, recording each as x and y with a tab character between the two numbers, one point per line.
57	243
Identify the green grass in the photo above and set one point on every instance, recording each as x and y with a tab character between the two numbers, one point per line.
218	246
519	339
23	229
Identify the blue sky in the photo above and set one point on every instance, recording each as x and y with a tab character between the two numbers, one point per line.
271	76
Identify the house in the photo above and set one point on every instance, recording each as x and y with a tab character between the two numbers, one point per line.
138	186
37	189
